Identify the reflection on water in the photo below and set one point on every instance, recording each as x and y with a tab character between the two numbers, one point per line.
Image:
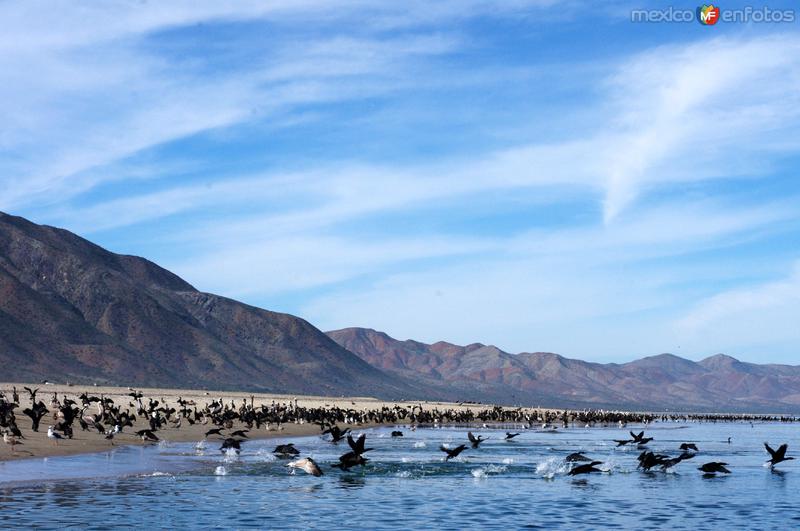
518	484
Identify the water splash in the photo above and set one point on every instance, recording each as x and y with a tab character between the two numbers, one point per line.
420	444
552	466
220	471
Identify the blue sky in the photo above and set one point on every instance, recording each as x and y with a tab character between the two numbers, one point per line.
539	175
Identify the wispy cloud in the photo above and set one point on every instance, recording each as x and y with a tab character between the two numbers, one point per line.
427	169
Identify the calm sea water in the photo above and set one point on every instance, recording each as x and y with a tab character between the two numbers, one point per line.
511	485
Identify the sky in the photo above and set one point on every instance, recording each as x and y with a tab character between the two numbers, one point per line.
539	175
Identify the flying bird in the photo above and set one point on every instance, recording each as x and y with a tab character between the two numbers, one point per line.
714	467
588	468
476	441
453	452
308	465
777	456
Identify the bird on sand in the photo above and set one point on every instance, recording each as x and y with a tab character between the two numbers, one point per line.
777	456
11	440
714	467
53	435
588	468
453	452
308	465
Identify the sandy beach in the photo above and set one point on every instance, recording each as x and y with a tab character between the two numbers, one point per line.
36	444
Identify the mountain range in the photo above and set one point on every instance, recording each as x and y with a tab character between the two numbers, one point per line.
71	311
663	382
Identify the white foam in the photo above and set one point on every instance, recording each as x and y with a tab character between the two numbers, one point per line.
551	466
403	474
221	471
507	461
420	444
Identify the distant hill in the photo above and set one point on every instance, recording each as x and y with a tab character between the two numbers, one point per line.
718	383
71	311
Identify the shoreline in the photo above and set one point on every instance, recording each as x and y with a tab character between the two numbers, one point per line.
36	444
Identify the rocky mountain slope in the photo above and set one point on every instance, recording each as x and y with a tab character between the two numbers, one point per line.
71	311
658	382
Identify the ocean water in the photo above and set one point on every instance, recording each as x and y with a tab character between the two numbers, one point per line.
407	484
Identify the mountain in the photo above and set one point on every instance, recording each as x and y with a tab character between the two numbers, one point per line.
663	382
72	311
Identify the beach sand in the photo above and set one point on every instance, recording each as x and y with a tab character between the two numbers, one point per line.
38	445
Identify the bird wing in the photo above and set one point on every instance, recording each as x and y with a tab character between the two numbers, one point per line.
471	437
770	450
782	450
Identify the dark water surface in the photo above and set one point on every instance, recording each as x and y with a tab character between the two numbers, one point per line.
407	485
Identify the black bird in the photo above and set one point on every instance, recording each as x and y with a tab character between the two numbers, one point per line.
349	460
230	443
453	452
714	468
240	433
32	392
36	412
397	434
476	441
337	434
354	457
286	450
358	445
588	468
620	442
510	435
688	446
669	463
777	456
640	439
214	431
577	456
147	435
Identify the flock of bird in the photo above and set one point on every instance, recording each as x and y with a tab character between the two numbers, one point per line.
107	418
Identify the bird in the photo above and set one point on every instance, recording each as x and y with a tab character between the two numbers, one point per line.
10	439
621	442
231	443
510	435
714	467
397	433
476	441
577	456
53	435
286	450
588	468
354	456
452	452
688	446
640	439
147	435
32	393
337	434
669	463
214	431
777	456
308	465
240	433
